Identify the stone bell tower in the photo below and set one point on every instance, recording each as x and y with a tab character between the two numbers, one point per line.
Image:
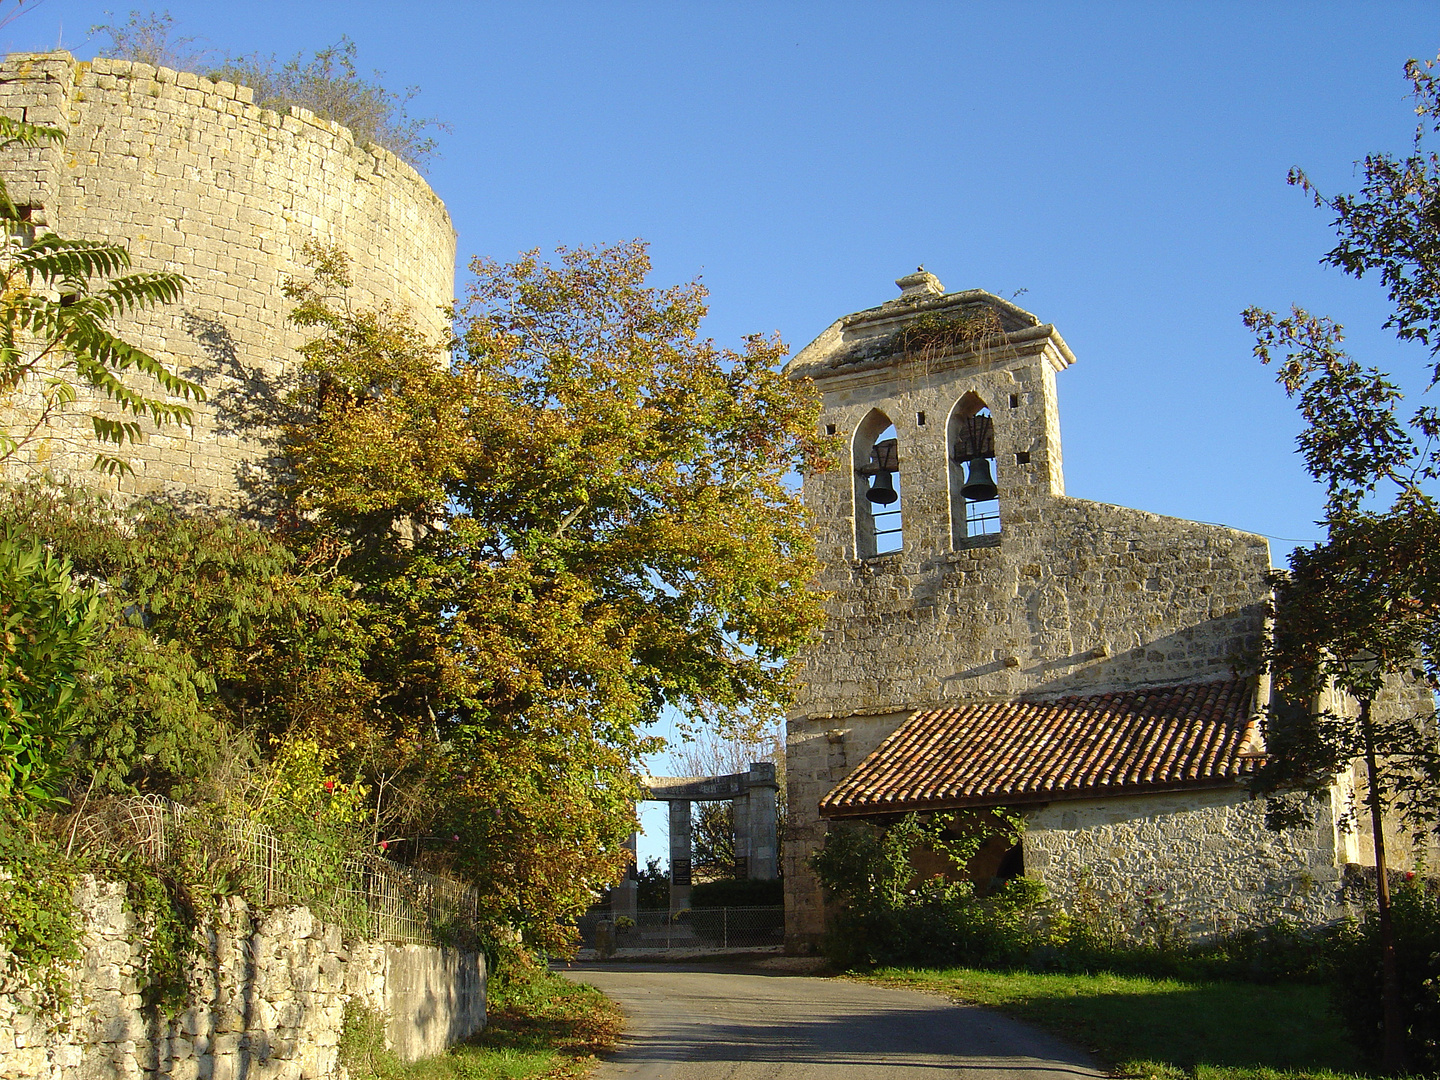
957	568
920	376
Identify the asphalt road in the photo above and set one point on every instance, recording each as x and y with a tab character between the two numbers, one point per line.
692	1022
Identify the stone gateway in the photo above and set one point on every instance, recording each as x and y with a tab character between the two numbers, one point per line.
993	642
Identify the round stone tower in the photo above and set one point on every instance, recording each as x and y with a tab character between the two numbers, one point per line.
195	179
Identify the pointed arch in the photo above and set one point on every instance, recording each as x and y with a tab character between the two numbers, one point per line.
970	444
875	459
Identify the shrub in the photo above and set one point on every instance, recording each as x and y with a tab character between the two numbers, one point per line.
362	1042
888	917
39	939
330	86
328	83
1357	985
148	39
47	623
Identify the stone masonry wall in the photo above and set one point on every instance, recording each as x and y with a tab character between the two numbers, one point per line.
1401	697
1200	862
1076	597
196	179
268	1001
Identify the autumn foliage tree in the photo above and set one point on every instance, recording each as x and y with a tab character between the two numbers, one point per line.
576	514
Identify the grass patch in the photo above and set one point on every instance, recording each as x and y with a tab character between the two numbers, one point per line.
540	1027
1164	1028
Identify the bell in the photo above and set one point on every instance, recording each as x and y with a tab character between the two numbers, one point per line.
882	489
980	485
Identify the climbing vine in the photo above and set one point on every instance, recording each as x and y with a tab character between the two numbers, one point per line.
169	920
39	939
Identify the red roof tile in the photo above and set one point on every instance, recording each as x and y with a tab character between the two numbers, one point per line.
1201	735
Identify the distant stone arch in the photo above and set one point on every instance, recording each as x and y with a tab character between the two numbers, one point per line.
753	795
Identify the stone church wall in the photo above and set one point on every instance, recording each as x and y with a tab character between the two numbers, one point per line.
1073	597
1195	863
196	179
267	1000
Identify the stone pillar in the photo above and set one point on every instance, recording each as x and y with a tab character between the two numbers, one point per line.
624	898
740	813
764	844
679	854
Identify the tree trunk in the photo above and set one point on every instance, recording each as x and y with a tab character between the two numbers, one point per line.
1393	1059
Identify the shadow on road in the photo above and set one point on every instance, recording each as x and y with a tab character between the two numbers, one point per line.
741	1021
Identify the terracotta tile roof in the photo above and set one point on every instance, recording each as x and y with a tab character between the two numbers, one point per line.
1201	735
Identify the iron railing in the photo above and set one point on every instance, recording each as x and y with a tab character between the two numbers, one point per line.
363	893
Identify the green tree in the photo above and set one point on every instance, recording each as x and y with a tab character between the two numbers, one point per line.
653	887
1361	612
583	518
213	642
47	622
712	840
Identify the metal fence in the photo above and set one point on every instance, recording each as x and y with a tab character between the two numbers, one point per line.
363	893
690	929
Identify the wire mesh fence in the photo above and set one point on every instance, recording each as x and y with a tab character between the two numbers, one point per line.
689	929
360	892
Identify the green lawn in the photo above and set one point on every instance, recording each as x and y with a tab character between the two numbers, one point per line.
541	1027
1163	1028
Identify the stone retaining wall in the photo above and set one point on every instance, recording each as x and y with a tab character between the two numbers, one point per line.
268	1000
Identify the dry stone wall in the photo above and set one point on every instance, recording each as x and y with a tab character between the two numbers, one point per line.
268	1000
196	179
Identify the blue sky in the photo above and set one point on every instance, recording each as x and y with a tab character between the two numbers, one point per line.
1123	163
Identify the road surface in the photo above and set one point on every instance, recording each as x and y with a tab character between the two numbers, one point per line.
694	1022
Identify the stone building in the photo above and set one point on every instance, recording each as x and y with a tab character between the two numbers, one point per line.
195	179
992	641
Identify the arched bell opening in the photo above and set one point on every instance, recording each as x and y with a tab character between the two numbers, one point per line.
876	456
974	483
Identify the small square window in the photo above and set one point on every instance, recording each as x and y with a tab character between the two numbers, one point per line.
829	429
1022	458
920	419
21	231
1014	401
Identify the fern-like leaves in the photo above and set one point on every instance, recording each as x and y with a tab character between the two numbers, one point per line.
58	299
